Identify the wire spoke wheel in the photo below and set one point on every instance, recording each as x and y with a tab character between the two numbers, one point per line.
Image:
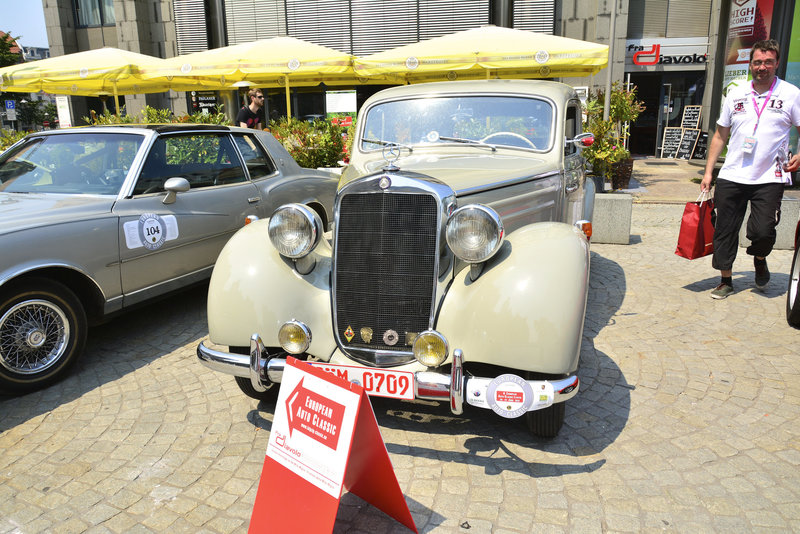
33	336
43	330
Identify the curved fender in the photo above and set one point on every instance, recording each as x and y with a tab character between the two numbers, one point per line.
255	290
526	310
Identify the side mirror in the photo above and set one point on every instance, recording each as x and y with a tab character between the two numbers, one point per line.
173	186
584	139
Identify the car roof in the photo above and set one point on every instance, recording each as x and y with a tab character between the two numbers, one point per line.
144	128
554	90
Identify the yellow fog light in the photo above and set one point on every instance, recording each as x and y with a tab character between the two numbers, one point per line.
294	337
430	348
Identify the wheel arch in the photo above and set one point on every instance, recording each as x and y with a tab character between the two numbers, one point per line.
84	288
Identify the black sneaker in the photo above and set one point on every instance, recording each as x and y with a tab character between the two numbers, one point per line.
722	291
762	275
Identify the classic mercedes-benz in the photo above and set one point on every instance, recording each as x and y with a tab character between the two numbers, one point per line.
457	266
96	220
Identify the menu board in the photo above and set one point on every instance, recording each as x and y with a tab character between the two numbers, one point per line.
691	117
701	147
671	141
688	141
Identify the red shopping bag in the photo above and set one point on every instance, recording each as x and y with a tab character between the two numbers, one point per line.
696	238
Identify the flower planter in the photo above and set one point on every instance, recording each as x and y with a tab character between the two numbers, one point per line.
621	173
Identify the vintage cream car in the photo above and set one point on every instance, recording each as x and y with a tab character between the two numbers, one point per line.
456	268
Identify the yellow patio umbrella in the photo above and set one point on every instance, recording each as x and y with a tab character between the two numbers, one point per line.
485	52
275	62
103	71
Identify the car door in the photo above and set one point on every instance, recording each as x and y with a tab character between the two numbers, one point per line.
167	244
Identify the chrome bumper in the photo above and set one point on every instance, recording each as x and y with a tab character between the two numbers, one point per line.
263	370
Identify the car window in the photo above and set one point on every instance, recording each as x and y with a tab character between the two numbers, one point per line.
497	120
205	160
258	163
571	129
74	163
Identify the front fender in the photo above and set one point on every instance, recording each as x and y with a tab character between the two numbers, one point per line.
526	310
255	290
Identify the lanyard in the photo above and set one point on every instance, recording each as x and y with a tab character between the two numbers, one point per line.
764	105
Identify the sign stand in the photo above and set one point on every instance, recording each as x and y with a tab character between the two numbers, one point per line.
324	437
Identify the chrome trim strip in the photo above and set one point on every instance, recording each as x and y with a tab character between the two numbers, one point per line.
457	383
257	362
507	183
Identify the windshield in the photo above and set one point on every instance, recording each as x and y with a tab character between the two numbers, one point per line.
496	120
79	163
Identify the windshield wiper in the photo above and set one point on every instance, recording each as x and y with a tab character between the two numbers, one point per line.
387	144
467	141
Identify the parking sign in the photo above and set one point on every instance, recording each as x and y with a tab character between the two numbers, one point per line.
10	104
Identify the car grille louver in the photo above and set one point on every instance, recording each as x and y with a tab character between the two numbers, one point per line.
386	251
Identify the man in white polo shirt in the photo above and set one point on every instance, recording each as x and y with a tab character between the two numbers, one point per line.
757	117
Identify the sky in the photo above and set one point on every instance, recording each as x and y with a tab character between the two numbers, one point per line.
24	18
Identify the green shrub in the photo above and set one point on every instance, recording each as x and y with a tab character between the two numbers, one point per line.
9	137
150	115
313	144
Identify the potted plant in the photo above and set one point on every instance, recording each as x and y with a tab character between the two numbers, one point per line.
609	156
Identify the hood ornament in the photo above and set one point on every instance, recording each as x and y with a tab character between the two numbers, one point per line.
391	153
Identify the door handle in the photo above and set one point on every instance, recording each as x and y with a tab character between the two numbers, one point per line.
253	200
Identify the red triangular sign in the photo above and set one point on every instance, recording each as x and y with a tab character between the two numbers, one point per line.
324	437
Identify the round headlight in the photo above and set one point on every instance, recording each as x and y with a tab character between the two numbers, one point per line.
294	230
430	348
474	233
294	337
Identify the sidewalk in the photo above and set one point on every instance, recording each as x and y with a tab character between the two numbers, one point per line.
669	181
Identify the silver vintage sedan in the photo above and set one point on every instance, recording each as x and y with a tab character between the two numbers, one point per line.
95	220
457	269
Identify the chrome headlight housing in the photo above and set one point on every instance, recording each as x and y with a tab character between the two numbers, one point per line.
295	230
430	348
294	337
474	233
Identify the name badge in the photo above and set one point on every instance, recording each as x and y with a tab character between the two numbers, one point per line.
749	145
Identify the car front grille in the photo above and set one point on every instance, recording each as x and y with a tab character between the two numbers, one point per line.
385	275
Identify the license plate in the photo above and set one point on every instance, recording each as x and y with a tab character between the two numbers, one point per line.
376	382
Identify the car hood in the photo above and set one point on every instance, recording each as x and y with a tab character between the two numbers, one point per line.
19	211
462	172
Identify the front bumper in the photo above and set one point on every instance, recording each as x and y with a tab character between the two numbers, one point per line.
264	370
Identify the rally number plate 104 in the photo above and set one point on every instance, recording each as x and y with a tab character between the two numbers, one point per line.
376	382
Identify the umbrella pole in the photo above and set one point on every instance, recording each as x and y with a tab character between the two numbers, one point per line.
116	99
288	99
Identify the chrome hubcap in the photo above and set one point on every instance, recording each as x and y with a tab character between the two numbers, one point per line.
33	336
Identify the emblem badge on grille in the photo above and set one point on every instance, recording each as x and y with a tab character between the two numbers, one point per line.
348	334
366	334
384	183
390	337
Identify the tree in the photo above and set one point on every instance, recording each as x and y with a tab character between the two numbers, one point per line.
10	52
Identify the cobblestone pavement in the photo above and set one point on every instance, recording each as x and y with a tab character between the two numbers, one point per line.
687	421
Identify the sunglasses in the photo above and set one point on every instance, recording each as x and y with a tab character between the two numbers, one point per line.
260	96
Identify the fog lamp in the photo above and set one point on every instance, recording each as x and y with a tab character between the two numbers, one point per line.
295	230
430	348
294	337
474	233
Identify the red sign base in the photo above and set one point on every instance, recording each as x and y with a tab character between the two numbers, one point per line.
287	502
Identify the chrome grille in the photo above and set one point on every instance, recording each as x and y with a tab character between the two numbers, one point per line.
385	274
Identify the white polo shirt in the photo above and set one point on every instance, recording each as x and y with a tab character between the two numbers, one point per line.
764	164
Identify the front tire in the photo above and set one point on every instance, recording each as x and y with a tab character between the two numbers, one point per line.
547	422
793	294
42	333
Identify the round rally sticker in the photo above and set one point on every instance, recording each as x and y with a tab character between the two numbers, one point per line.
509	396
152	230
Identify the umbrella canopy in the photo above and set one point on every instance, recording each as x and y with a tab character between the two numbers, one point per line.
275	62
483	52
103	71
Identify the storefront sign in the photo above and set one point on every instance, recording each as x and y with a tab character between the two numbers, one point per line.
689	53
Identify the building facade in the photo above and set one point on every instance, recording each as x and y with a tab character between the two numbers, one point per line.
673	51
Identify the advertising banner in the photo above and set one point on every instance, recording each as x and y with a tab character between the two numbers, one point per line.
750	21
